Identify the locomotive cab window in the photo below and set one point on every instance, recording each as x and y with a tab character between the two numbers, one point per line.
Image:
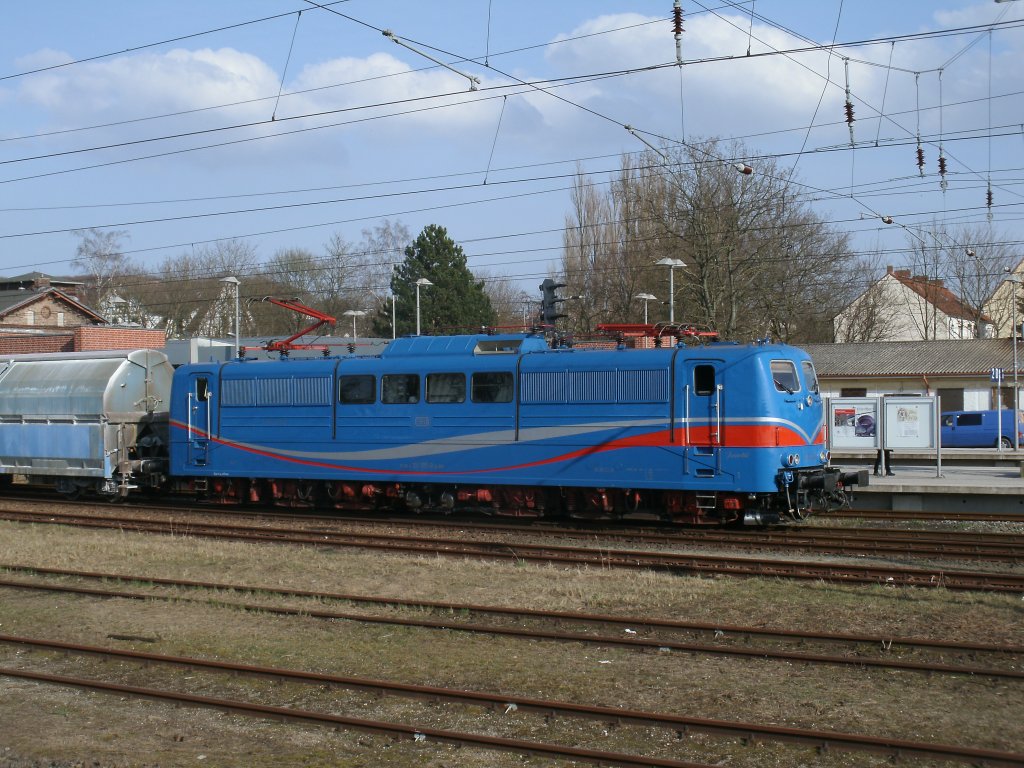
810	377
446	387
492	387
784	376
202	390
357	390
704	379
400	388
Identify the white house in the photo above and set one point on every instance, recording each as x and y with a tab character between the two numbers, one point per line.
901	307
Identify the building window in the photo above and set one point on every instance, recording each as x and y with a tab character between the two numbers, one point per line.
30	317
853	392
952	399
60	319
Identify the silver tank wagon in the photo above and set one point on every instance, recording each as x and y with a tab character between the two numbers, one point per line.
92	421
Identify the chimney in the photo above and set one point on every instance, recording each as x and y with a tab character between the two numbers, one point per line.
888	269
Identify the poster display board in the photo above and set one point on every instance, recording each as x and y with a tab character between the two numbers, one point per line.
910	422
853	423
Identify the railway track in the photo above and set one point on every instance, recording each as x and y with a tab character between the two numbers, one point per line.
822	740
638	633
952	516
967	545
602	556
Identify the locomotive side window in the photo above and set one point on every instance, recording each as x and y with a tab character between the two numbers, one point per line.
446	387
357	390
400	388
202	390
704	379
492	387
784	376
810	377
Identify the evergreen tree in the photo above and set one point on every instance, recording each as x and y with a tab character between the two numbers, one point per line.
455	303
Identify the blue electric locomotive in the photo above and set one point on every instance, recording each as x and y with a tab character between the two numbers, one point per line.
704	434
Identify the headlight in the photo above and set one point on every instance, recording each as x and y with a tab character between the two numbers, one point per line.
792	460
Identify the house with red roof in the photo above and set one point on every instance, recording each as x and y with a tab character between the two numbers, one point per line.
905	307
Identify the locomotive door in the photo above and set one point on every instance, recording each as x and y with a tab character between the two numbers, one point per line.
199	419
702	418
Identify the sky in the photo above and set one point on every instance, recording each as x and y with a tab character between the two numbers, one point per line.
190	122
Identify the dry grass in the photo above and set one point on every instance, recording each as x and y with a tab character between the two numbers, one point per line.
49	723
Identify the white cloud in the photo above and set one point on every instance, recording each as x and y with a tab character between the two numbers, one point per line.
381	79
45	57
145	84
722	97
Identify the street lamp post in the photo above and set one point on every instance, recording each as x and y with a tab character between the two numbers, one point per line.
232	280
421	281
672	265
1014	280
645	297
354	313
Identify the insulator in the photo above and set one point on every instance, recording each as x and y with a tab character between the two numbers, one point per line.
887	219
920	158
677	20
849	112
746	170
942	166
988	198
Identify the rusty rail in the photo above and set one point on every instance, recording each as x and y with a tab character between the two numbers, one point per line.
679	723
631	641
680	563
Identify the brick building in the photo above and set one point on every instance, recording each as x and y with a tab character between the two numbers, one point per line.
35	300
40	313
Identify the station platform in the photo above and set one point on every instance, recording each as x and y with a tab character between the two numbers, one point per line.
970	487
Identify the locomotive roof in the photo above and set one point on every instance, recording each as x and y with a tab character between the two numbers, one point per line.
433	346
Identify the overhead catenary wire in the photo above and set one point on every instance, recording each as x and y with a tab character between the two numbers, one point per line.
252	124
497	129
287	61
880	121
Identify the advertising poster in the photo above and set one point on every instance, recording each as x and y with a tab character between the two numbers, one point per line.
910	422
853	422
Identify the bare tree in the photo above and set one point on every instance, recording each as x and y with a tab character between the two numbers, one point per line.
977	260
100	256
757	259
866	315
513	307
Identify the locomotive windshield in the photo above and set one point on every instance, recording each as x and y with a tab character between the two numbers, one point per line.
784	375
810	377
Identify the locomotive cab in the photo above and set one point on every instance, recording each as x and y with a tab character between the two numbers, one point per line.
806	482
